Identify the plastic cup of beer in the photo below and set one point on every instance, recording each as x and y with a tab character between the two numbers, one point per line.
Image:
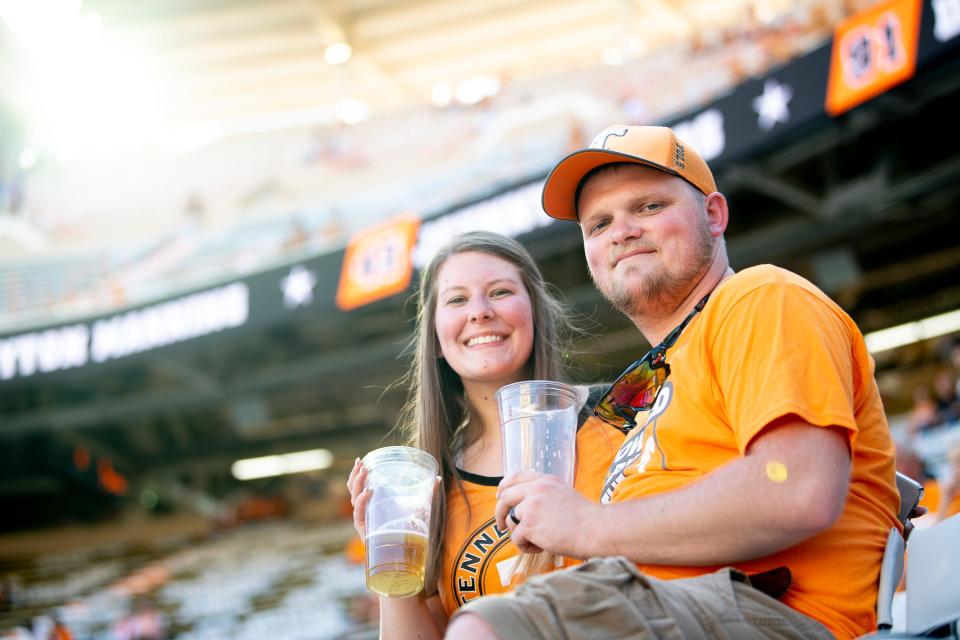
538	421
402	481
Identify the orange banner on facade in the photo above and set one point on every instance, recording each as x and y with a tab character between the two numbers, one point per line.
378	262
872	52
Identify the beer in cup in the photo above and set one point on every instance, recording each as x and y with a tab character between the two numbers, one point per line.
402	481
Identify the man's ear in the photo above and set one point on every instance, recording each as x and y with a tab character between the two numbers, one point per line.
718	214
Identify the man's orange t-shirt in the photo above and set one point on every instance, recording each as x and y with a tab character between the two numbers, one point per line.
770	344
477	556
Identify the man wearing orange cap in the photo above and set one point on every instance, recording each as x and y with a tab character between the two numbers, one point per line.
754	493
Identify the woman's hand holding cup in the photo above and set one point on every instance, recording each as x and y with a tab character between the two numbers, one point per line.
359	497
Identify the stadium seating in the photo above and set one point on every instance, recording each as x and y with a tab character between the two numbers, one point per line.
933	584
282	580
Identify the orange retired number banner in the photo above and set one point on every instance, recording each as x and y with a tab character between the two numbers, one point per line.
872	51
378	262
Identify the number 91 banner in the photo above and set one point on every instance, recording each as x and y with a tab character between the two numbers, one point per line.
872	52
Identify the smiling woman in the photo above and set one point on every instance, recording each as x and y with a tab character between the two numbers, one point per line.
485	319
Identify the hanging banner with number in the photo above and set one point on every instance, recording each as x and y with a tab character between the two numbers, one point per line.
872	52
378	262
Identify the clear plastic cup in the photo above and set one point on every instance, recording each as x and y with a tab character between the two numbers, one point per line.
538	419
402	481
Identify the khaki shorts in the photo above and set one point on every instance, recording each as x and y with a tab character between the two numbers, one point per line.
609	598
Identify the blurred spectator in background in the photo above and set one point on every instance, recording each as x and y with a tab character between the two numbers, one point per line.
945	397
60	631
243	506
949	484
195	209
143	623
923	415
262	507
908	461
298	235
953	358
7	588
11	189
332	228
576	136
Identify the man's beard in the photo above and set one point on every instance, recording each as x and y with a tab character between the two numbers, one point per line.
661	288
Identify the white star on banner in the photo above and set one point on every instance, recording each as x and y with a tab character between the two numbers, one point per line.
298	287
946	19
771	106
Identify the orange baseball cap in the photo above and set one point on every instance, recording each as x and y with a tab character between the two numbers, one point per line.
656	147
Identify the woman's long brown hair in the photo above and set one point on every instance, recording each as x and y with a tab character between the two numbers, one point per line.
434	417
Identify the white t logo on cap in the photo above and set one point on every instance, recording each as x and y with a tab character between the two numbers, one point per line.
600	142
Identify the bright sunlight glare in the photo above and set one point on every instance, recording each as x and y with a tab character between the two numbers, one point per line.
88	93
